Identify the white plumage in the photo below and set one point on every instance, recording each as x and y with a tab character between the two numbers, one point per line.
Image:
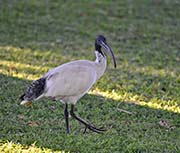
70	81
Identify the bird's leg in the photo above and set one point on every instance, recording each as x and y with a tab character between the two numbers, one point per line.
66	115
88	125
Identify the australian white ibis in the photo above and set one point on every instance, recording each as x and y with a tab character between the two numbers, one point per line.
70	81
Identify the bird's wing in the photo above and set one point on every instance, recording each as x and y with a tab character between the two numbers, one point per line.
70	79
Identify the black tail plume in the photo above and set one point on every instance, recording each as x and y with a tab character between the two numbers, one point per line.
22	97
34	90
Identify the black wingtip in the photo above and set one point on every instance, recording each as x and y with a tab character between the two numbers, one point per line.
22	97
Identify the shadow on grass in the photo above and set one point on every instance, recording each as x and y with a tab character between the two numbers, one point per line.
140	129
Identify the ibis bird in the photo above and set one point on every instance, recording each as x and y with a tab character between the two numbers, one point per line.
71	81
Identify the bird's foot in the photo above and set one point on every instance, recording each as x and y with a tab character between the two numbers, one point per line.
94	129
87	125
68	131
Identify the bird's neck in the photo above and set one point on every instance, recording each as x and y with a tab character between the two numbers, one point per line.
101	63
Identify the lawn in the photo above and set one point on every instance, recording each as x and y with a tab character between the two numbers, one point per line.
138	102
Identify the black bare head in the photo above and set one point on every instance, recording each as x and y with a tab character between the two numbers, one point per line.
100	42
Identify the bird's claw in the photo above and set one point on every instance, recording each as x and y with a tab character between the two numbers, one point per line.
94	129
85	130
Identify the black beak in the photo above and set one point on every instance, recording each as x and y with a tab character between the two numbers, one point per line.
109	50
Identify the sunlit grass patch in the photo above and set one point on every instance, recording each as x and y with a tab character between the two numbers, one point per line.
16	147
171	105
21	70
27	63
34	57
150	70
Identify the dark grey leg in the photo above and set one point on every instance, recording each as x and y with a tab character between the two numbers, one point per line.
88	125
66	115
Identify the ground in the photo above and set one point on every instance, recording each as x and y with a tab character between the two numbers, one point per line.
138	102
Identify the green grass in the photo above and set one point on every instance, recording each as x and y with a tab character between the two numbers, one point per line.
145	37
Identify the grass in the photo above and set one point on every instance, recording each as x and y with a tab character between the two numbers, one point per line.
38	35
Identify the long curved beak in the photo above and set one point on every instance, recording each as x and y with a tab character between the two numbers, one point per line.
109	50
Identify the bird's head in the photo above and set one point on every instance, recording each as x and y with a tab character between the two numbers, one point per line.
100	42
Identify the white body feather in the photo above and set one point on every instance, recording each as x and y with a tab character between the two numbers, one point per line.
70	81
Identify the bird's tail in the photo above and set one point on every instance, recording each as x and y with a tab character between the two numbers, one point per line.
24	101
34	91
22	97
